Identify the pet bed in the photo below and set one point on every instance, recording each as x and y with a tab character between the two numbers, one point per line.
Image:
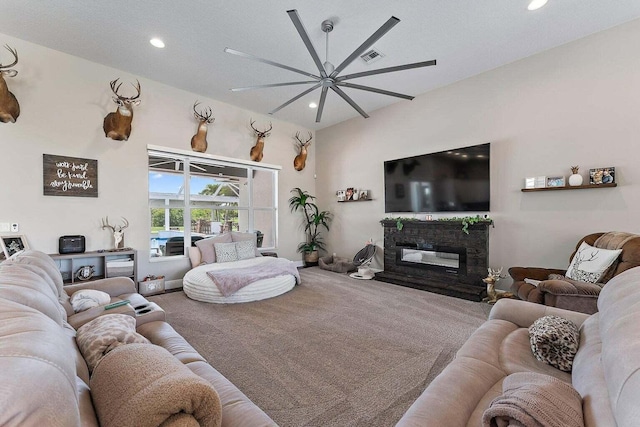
336	264
198	285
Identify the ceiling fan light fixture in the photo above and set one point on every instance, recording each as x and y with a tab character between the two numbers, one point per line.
536	4
328	67
313	105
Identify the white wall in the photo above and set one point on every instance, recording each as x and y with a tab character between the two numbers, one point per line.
64	100
578	104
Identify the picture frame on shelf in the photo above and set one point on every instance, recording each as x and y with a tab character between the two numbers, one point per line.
530	182
341	195
349	194
364	194
602	175
540	182
555	181
13	244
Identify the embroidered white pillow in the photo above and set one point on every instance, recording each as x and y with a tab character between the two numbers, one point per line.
589	264
245	249
226	252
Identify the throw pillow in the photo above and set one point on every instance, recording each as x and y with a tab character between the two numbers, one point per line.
104	333
589	264
87	298
246	249
206	246
237	236
555	341
226	252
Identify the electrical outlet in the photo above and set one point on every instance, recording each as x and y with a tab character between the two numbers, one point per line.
4	227
15	227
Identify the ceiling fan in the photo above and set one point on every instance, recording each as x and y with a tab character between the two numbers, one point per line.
328	77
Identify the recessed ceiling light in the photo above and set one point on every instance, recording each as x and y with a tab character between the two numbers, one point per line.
313	105
157	43
536	4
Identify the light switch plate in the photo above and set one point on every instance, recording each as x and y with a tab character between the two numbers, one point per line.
4	227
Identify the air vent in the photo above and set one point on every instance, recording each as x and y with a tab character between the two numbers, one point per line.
371	56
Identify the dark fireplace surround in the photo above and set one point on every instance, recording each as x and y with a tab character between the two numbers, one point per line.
437	256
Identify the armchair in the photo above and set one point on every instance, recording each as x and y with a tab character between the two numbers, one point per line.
555	290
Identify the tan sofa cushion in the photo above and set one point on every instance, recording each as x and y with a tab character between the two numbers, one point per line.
39	381
28	288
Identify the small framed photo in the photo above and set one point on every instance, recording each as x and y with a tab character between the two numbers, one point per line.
540	182
341	194
555	181
602	175
530	182
364	194
349	194
13	244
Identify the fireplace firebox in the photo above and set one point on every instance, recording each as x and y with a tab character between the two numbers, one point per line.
437	256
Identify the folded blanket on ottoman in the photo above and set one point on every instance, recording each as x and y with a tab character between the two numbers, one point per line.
232	280
143	385
535	400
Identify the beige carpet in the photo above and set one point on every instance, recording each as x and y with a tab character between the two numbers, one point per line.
334	351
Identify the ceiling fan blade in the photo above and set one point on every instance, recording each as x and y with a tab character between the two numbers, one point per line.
391	22
240	89
387	70
266	61
293	14
344	96
295	98
376	90
323	97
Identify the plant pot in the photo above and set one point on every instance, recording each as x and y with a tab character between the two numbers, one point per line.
575	180
310	258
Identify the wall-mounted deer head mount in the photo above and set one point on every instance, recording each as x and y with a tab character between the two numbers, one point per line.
205	117
117	125
117	230
301	159
9	107
256	150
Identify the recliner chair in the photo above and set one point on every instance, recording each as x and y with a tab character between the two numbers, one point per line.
566	293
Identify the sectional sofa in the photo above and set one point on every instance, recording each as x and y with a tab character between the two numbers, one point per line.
606	367
44	378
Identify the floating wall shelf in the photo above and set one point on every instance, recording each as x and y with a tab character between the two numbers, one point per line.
576	187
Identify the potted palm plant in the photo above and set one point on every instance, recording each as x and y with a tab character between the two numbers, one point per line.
314	221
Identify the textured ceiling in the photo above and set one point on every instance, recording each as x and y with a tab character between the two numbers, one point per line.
466	37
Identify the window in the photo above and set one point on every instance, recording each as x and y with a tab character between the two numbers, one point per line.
193	196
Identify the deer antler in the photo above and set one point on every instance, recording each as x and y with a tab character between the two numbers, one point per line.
300	141
105	224
261	133
125	99
205	115
15	55
125	224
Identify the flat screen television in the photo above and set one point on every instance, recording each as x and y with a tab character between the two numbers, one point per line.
455	180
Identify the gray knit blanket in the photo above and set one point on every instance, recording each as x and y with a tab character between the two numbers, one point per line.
232	280
530	399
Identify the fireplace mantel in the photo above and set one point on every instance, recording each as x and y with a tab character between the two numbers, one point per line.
437	256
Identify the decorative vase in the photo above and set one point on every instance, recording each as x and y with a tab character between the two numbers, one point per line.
575	179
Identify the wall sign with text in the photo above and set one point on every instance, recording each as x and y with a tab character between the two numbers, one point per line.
69	176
